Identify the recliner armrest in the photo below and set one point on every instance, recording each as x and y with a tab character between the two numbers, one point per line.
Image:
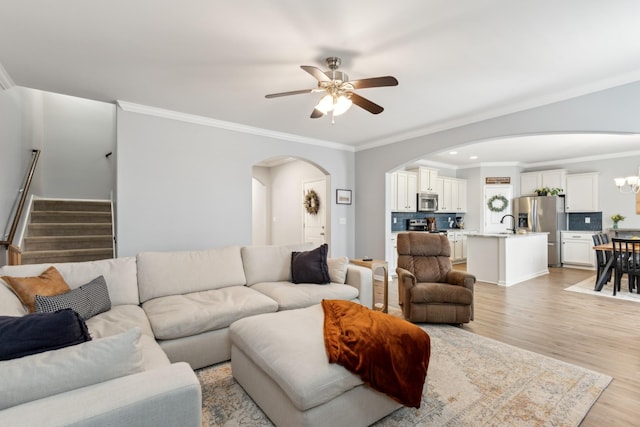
460	278
406	277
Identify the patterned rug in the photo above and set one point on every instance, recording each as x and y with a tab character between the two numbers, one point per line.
586	287
472	381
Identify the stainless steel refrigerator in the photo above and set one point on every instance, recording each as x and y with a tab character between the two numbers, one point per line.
543	214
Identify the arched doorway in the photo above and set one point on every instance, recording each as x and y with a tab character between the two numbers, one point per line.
279	216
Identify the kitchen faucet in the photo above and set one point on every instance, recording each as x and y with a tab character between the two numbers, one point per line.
514	222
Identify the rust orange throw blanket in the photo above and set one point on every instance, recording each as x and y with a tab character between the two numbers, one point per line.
388	353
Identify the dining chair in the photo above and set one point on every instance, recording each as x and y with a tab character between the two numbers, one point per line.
626	254
604	237
601	258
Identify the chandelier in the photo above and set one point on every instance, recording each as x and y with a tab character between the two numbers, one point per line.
630	184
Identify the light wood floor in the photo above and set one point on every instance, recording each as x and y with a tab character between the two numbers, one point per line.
601	334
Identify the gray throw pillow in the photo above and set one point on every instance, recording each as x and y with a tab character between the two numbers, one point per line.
87	300
310	266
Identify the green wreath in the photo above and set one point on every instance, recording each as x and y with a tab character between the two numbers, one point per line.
497	198
311	202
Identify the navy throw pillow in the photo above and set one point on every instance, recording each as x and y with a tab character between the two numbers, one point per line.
310	266
40	332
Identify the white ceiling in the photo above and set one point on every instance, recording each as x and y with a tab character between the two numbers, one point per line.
456	61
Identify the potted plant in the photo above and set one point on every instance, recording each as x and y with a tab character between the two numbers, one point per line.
544	191
616	219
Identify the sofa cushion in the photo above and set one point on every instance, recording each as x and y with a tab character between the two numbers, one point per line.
178	316
310	266
49	282
53	372
289	295
40	332
122	318
270	263
338	269
274	341
174	273
119	273
10	304
87	300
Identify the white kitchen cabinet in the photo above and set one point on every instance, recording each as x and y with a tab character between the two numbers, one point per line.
405	184
462	196
582	193
426	179
452	195
577	249
458	242
531	181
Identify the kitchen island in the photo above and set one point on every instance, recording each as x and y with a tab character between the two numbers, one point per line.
507	259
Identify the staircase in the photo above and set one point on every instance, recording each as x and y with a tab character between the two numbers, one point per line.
68	231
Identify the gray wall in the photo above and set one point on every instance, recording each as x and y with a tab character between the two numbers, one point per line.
78	133
184	186
613	110
15	154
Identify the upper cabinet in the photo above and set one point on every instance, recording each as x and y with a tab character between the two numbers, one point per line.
531	181
404	191
426	179
582	193
452	195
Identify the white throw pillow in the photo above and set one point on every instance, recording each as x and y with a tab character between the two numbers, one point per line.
45	374
338	269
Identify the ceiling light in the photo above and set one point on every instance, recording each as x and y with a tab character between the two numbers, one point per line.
326	104
630	184
341	105
338	104
453	153
473	157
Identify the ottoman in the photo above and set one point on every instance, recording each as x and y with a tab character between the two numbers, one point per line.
280	360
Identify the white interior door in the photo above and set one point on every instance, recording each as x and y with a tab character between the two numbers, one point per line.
315	225
492	219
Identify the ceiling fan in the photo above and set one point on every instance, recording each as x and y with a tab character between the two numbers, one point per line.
340	91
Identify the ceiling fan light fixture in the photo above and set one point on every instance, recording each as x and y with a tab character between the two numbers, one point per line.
341	105
325	105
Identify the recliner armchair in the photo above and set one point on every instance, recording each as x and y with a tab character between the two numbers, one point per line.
429	290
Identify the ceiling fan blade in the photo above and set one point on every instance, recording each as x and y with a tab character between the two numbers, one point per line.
316	114
316	72
293	92
374	82
361	102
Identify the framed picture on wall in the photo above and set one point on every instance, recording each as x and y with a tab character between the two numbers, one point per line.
343	197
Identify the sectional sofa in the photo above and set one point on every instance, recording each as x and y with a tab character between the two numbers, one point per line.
172	312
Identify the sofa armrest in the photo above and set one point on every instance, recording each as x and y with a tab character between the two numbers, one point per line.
361	278
167	396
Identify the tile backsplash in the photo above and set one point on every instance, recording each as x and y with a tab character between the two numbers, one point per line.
577	221
399	219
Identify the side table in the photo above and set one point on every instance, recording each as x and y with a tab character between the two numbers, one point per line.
375	264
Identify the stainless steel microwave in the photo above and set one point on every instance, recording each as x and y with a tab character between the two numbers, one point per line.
427	202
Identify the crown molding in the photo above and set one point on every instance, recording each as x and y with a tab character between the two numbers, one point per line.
5	80
236	127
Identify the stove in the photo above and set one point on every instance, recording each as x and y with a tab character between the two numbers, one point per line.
421	224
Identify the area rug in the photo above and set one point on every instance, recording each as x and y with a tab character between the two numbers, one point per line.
586	287
472	381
